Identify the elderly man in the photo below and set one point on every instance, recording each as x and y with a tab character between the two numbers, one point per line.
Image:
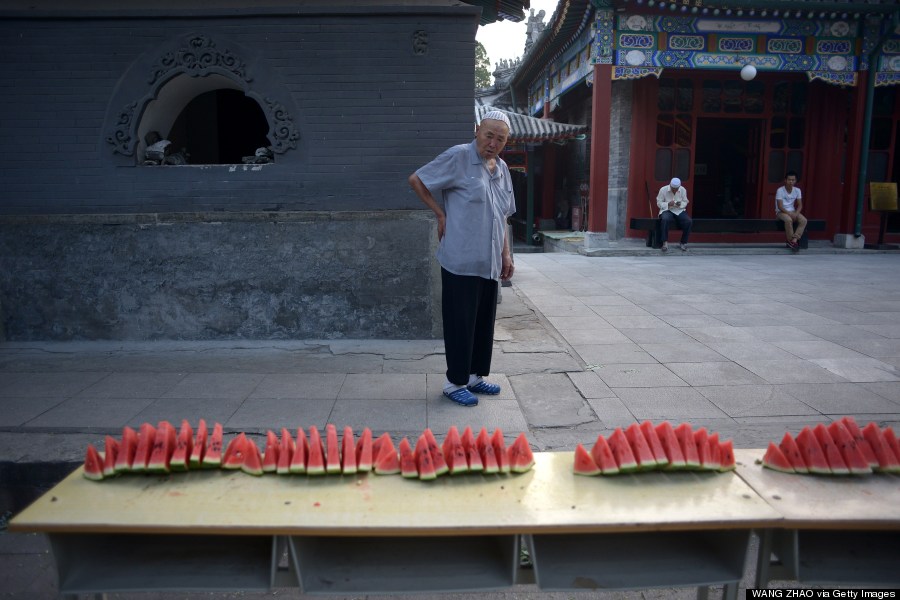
476	198
672	200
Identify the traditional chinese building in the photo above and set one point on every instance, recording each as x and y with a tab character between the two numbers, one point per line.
727	96
203	169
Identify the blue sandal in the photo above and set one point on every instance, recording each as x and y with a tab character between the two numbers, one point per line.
463	397
483	387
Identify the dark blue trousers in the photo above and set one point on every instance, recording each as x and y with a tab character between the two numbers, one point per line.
469	310
667	217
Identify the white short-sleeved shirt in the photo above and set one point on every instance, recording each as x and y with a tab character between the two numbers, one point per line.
477	204
787	199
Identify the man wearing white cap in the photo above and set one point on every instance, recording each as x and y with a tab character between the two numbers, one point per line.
476	198
672	200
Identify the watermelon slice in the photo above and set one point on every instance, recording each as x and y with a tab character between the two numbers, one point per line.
832	452
332	450
473	456
184	445
163	448
270	457
440	465
584	463
621	450
701	441
252	463
499	444
666	434
93	464
235	452
603	457
861	441
110	453
315	458
640	448
685	435
408	468
285	452
146	437
348	452
775	459
364	451
196	459
891	439
850	451
301	451
714	453
486	451
884	454
212	456
521	458
454	453
659	453
726	453
812	452
127	448
424	462
790	450
388	460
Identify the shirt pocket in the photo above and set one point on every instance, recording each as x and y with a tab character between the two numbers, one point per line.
473	190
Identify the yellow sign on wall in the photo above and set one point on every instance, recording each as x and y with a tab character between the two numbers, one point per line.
883	196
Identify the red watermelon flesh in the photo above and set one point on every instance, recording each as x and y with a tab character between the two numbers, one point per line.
521	458
453	452
499	444
850	451
639	446
234	452
603	457
775	459
93	464
196	459
659	453
364	451
315	457
887	461
332	450
861	441
701	441
110	454
408	467
301	451
685	435
790	450
468	439
424	462
163	447
812	452
388	460
714	453
212	457
486	451
437	457
726	453
146	437
270	457
472	455
891	439
621	450
184	445
127	448
666	435
252	464
584	463
285	452
348	452
832	452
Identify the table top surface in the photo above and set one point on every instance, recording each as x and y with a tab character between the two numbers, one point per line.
823	501
547	499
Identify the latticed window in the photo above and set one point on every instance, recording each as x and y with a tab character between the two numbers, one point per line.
674	129
787	130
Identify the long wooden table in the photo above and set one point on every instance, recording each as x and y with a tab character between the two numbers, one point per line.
371	534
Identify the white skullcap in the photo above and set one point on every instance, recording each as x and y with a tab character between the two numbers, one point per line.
675	182
497	115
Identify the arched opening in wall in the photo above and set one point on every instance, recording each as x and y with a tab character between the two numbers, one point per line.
220	127
210	120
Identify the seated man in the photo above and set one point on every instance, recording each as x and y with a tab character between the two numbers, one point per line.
788	204
672	200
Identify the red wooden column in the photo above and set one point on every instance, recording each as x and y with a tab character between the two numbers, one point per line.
856	119
601	111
